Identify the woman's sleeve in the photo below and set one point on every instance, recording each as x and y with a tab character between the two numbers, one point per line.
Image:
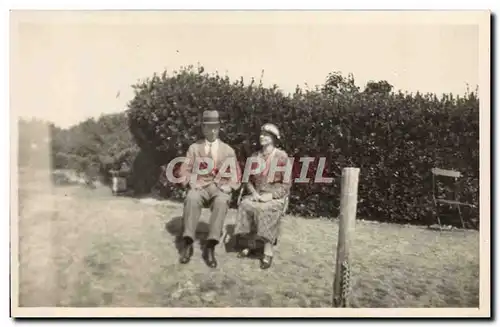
282	185
250	184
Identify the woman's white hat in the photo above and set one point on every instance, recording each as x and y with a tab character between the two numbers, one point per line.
271	128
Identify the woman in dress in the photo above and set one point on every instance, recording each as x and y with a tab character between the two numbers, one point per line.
259	213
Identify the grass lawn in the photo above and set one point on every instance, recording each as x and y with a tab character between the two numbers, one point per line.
85	248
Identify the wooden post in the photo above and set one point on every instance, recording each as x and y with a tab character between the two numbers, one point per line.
348	206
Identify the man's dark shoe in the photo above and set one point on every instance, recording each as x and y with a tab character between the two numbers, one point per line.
209	256
186	252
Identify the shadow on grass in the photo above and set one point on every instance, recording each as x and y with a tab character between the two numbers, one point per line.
233	243
175	228
230	241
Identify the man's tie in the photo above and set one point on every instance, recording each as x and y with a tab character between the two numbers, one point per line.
211	151
211	154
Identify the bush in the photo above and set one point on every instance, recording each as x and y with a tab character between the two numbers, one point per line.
94	147
393	137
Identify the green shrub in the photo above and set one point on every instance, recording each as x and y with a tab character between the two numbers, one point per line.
94	147
394	138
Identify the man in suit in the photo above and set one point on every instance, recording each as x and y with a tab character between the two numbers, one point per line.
207	186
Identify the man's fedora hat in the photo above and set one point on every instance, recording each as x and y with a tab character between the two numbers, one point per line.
211	117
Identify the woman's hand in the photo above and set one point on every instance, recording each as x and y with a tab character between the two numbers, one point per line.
256	197
225	189
266	197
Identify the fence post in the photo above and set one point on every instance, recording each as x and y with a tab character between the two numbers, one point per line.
348	206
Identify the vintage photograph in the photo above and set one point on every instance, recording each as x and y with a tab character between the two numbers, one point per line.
250	163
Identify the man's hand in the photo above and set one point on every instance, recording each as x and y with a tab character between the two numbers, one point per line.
266	197
225	189
193	185
255	197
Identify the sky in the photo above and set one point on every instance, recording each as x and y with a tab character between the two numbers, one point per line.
69	66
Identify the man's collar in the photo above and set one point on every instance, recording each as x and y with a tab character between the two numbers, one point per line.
214	142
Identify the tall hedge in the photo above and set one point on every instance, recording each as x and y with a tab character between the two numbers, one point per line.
395	138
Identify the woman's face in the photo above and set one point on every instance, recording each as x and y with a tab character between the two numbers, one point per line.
265	138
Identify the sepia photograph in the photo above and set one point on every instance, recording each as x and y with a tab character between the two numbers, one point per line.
250	163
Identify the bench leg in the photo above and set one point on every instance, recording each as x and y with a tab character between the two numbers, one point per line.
460	214
437	216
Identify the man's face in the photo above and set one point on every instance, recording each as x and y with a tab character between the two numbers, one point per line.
211	131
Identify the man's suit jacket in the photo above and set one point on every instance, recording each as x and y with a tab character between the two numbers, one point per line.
225	153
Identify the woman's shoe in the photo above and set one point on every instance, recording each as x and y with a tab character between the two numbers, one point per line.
266	262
